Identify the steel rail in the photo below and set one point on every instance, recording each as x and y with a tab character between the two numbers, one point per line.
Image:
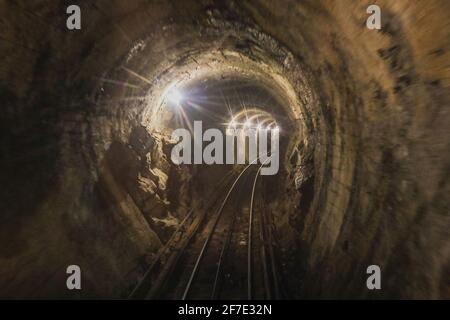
208	239
250	229
169	242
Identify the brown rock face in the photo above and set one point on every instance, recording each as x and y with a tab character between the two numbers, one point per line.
85	141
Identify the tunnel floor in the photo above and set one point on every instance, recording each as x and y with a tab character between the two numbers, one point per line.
214	259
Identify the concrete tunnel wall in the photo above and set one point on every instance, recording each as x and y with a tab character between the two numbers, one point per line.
84	175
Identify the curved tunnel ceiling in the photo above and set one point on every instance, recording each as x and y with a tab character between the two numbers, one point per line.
86	142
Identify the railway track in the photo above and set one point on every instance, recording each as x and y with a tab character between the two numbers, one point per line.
224	255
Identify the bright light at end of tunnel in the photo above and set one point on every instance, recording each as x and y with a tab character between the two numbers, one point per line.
174	96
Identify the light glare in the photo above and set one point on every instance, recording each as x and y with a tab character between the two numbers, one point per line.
174	96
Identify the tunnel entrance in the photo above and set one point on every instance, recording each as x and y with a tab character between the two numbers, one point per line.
215	237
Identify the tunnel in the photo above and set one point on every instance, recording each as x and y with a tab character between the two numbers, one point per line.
88	181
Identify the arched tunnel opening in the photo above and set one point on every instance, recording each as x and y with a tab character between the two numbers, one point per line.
360	117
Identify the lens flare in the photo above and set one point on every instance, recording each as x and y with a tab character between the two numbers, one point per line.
174	96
